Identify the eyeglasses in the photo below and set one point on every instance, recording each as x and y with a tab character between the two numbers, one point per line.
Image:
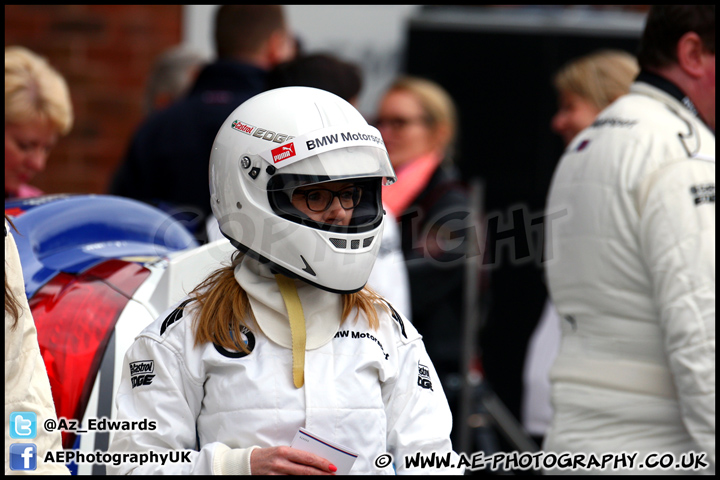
398	123
320	199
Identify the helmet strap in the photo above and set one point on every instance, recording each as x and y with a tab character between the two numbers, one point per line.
288	290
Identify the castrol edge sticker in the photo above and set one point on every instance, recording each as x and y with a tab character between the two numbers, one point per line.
243	127
262	133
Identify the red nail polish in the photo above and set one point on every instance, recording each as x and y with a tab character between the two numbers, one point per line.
333	468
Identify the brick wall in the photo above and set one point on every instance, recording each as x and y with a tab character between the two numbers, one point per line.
105	53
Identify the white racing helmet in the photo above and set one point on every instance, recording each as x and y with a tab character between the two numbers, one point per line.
287	138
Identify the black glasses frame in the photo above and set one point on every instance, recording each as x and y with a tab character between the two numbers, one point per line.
399	123
356	195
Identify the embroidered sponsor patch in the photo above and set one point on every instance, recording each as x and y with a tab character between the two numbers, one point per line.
247	338
703	193
141	373
613	122
369	336
424	377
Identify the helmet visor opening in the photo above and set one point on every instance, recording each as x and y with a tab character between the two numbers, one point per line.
359	197
364	167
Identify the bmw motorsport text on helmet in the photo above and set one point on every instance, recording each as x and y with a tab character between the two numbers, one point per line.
292	137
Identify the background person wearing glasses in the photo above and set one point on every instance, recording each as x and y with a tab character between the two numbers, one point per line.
417	119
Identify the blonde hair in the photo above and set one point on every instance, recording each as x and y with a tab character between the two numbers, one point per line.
13	306
600	77
224	307
34	91
437	105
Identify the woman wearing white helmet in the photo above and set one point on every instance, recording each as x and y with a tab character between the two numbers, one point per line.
288	336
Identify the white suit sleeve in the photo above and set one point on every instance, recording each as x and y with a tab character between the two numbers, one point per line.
418	415
677	234
27	387
172	400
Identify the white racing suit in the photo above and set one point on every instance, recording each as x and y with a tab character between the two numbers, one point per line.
373	391
631	270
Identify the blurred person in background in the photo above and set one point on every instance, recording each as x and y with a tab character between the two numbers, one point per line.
171	77
27	387
167	161
320	70
584	87
418	122
344	79
632	266
38	111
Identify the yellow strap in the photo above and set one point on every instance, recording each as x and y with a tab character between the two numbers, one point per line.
297	326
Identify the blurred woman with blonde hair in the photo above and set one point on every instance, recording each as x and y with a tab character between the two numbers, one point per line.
587	85
38	111
584	86
418	122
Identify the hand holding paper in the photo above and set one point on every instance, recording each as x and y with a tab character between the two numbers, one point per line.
339	455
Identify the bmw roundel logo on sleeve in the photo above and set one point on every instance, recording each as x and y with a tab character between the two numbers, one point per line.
247	337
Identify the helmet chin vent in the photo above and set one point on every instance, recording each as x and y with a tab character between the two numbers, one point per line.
354	244
339	242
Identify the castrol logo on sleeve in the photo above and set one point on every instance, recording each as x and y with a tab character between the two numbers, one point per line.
283	153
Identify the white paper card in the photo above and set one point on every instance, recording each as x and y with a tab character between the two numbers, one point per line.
340	456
